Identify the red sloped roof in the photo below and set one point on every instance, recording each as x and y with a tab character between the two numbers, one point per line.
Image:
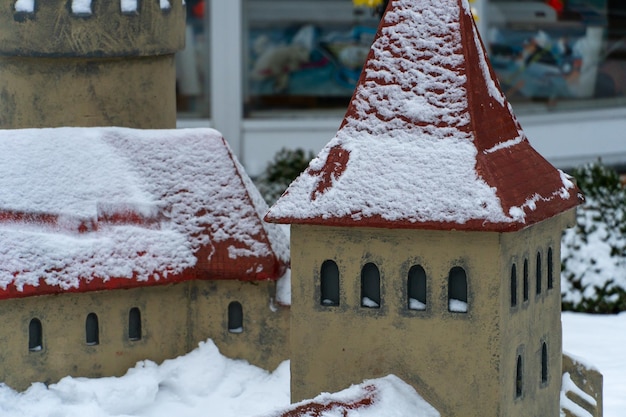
98	208
429	140
387	396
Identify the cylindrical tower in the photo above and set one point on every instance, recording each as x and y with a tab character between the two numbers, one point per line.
89	62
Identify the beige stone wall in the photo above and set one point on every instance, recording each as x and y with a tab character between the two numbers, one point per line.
452	358
532	322
52	92
107	68
463	363
175	318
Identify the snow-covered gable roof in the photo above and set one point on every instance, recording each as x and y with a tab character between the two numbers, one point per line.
388	396
429	140
96	208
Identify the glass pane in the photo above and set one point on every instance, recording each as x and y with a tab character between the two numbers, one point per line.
192	96
304	54
558	53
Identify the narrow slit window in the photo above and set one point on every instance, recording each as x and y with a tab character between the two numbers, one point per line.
550	270
416	288
235	317
525	279
513	285
35	336
457	290
518	378
538	273
544	363
329	284
370	286
134	324
92	331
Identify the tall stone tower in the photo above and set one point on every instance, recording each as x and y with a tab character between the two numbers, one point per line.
89	63
425	237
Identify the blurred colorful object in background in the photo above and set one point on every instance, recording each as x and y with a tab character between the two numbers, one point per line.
367	3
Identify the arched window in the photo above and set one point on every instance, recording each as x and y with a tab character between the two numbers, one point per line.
518	377
538	273
525	279
35	336
550	270
513	285
544	363
92	331
134	324
370	286
235	317
329	284
416	288
457	290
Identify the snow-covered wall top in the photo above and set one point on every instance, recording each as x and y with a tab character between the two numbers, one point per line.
84	6
87	208
428	141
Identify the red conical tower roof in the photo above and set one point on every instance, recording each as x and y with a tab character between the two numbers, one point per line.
428	141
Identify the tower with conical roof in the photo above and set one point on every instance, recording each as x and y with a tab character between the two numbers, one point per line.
89	63
426	234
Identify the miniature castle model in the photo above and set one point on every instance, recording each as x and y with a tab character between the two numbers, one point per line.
116	244
425	237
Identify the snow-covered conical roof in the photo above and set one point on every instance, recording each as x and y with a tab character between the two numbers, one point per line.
429	140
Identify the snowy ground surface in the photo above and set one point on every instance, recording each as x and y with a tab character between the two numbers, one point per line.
204	383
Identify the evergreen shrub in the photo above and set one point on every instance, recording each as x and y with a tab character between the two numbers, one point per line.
593	277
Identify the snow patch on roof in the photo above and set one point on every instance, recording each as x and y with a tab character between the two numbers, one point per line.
403	182
492	87
373	398
518	212
506	144
184	182
410	76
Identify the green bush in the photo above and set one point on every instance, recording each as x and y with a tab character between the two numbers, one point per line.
593	277
281	171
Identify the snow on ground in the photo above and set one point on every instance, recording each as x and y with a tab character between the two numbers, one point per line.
601	341
205	383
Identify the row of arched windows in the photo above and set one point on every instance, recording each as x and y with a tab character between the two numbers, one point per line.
526	280
92	330
519	371
416	285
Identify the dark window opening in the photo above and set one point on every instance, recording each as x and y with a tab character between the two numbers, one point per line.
544	363
550	270
513	285
416	288
525	279
518	378
35	336
235	317
538	273
329	284
92	332
134	324
370	286
457	290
